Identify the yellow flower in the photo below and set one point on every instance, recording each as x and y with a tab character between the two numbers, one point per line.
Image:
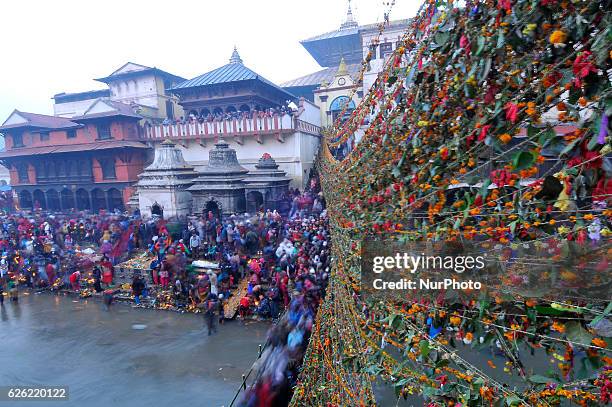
423	123
557	37
529	28
563	229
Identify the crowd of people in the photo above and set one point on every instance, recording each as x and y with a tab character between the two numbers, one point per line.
288	108
83	252
302	264
283	258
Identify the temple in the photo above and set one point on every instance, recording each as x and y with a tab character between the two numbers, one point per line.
90	153
162	187
171	188
341	53
89	162
256	116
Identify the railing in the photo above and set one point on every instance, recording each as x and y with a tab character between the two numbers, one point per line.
233	127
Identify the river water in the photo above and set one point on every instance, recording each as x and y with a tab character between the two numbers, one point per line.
57	340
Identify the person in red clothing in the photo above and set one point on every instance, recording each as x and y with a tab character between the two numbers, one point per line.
75	279
245	304
164	274
50	270
107	271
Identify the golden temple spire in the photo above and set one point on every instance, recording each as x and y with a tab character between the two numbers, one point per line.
342	69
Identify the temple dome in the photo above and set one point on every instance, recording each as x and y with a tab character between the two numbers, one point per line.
222	160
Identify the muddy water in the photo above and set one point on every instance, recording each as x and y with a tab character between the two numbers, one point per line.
56	340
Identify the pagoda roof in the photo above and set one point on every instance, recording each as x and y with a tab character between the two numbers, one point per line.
324	75
19	119
71	148
234	71
130	69
107	108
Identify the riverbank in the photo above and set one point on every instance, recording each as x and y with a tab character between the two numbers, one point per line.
53	340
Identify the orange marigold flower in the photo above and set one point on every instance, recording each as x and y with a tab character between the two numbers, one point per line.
505	138
557	37
557	326
599	342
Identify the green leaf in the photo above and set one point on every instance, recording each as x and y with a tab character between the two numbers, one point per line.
576	333
484	189
513	401
513	226
424	348
548	310
606	312
545	137
481	44
487	69
539	379
501	39
457	224
569	147
523	159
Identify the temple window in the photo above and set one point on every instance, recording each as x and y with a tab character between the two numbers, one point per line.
18	140
386	49
104	132
108	168
22	172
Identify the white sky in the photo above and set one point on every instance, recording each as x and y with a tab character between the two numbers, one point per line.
53	46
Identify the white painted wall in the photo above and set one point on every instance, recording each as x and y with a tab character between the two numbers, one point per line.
175	203
72	109
392	35
291	156
142	90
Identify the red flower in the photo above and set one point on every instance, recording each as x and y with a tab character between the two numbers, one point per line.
464	43
583	67
490	95
511	112
505	4
483	132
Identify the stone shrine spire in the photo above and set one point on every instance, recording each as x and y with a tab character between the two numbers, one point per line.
162	188
350	20
235	58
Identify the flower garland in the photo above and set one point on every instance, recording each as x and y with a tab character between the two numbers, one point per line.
490	123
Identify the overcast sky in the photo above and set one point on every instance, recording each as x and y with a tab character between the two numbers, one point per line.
53	46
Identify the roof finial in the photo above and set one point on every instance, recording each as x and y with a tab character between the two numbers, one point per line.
235	58
350	20
342	69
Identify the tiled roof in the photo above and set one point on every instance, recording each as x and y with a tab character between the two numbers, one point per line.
78	96
227	73
232	72
68	148
117	109
316	78
39	120
143	69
